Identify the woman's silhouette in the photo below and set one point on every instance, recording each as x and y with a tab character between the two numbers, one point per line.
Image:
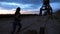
17	20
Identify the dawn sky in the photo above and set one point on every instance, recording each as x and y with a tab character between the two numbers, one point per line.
27	6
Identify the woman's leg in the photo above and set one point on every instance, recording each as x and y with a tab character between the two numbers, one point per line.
19	27
14	28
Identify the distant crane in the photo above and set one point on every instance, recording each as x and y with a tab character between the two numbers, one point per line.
46	7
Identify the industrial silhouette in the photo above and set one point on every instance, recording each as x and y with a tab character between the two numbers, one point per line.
48	11
17	21
46	7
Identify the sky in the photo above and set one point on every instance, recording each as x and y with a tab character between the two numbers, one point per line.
27	6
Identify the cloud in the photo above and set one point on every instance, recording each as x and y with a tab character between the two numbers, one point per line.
23	1
26	8
14	5
55	5
28	1
10	6
15	1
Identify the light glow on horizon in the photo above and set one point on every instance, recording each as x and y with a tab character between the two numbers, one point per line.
13	12
6	12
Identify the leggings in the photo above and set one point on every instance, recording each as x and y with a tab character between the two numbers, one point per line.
16	24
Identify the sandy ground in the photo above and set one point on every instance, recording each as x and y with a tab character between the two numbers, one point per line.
30	23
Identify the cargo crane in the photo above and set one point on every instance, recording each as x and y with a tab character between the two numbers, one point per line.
48	11
46	7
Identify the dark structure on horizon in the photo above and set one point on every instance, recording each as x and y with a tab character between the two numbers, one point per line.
48	11
46	7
